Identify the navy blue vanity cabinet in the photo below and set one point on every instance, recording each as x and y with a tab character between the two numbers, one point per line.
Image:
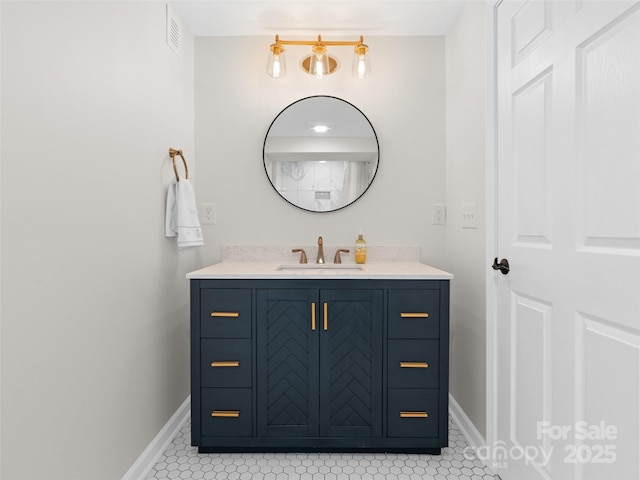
319	365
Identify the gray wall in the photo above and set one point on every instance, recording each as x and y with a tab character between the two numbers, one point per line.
466	118
94	301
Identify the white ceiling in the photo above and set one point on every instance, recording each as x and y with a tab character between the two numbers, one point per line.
326	18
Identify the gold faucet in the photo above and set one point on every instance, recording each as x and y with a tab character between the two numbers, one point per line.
337	258
320	258
303	254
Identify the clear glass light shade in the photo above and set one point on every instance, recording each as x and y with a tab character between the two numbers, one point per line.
276	64
319	65
361	63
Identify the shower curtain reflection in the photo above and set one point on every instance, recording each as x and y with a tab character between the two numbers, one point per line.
356	179
320	186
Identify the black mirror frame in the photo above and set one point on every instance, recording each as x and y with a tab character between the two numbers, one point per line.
267	136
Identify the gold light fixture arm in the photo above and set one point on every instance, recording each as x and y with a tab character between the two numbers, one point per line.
277	48
320	42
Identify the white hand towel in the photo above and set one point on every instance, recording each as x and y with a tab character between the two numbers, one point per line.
181	218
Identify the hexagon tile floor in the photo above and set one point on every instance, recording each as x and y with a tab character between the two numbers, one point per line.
181	461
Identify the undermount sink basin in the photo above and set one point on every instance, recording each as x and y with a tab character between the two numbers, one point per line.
319	266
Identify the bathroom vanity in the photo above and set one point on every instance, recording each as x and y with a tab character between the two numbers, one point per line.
319	358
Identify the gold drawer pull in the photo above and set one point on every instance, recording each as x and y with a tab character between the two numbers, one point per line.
414	365
225	364
226	413
225	314
413	315
414	414
313	316
326	316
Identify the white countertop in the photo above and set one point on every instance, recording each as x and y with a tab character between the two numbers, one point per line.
271	270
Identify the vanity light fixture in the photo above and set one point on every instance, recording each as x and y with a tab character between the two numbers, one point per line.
319	63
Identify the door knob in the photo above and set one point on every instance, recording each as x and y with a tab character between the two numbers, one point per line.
503	266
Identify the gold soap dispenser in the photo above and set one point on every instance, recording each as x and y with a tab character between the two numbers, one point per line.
361	249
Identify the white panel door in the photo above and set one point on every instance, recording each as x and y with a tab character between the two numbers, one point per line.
568	195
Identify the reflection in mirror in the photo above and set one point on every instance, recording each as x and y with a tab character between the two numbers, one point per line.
321	153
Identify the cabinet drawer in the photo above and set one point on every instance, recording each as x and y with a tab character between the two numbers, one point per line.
226	412
412	412
414	313
413	363
225	313
225	363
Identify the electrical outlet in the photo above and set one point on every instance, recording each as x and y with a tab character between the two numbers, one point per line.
469	215
208	214
439	214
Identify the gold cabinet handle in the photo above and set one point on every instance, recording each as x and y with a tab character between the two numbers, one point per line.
313	316
225	314
226	413
414	414
326	315
234	363
414	315
414	365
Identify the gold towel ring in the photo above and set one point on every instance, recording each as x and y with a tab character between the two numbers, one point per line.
173	152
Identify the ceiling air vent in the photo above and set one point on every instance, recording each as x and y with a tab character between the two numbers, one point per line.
174	32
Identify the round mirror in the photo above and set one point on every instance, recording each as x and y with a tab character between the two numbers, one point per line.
321	153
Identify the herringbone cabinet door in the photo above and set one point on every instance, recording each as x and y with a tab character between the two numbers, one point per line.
351	364
287	363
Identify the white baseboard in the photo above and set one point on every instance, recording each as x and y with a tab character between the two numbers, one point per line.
147	459
467	428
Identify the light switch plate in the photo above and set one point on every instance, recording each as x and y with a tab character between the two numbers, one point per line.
439	214
469	215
